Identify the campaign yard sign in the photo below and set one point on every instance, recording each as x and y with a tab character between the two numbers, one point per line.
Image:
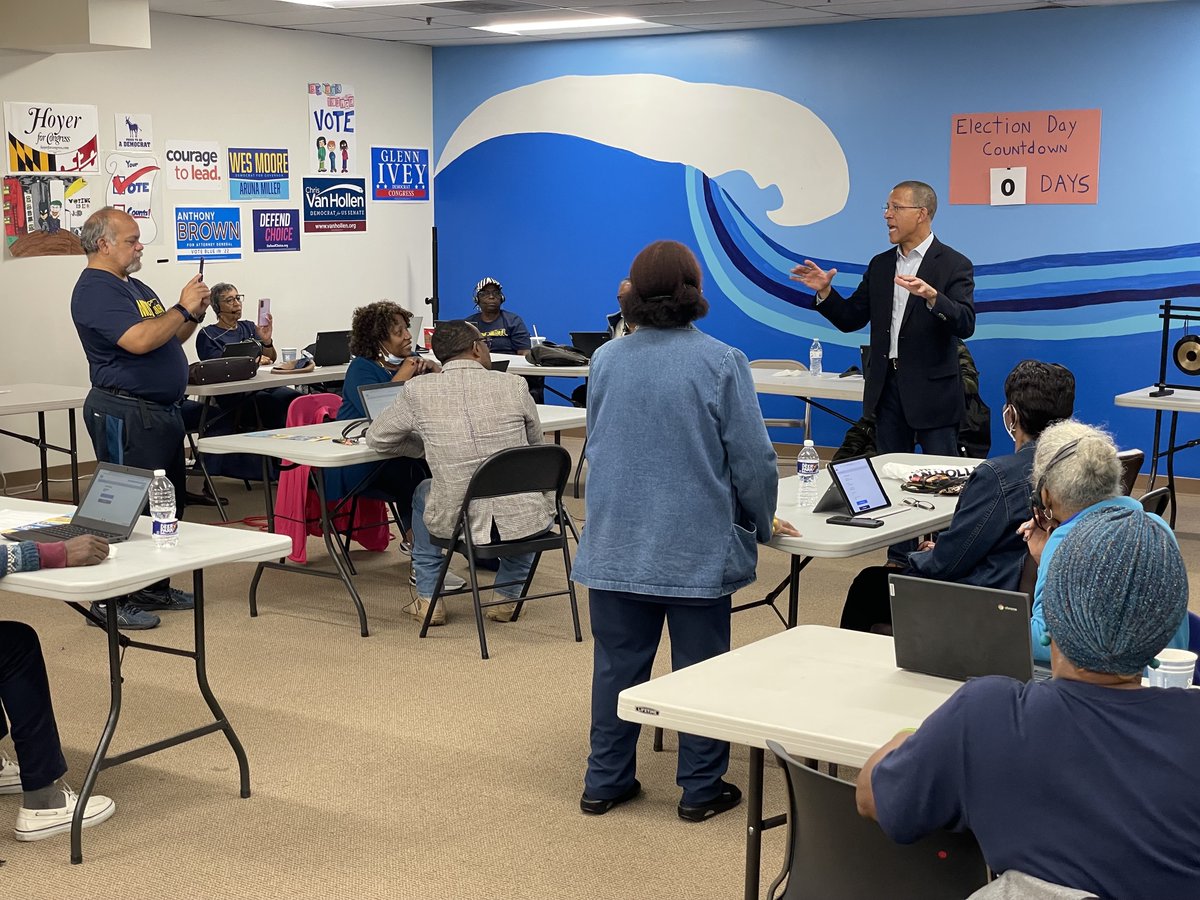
399	173
335	204
256	174
276	230
211	232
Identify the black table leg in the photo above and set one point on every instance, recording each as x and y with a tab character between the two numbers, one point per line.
754	823
74	457
42	455
1171	465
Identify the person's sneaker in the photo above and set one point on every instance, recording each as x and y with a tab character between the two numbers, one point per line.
729	797
10	776
452	582
599	807
129	618
502	613
170	600
36	824
405	547
420	605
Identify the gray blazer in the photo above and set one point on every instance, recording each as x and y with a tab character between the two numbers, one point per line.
463	416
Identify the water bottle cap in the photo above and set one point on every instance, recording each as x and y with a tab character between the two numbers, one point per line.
160	473
808	443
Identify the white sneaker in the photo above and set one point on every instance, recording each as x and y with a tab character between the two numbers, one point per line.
420	606
36	824
452	582
10	776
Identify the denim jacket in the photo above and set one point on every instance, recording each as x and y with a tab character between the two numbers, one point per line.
982	546
682	479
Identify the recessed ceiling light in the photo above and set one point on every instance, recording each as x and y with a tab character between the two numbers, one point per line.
589	23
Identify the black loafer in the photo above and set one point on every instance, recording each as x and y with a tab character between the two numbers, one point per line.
729	797
600	807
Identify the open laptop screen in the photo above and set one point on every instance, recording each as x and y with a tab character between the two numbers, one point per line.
378	397
859	486
115	497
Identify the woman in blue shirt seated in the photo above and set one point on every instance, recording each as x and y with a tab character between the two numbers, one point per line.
981	545
505	332
382	347
1086	780
230	328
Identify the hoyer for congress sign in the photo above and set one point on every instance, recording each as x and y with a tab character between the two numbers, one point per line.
1059	149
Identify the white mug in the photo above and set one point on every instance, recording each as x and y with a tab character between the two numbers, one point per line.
288	354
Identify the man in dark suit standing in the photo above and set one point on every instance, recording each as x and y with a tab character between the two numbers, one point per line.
917	298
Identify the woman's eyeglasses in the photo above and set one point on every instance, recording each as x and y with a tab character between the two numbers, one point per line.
919	504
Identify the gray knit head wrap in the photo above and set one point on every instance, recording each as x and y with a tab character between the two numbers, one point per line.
1116	590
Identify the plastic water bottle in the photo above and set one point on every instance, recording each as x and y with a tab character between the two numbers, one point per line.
814	357
808	464
162	510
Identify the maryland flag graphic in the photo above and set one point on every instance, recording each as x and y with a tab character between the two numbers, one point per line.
51	137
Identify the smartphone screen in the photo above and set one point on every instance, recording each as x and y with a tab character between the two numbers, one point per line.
202	268
264	310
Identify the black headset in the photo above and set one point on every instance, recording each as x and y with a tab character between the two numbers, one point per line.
488	283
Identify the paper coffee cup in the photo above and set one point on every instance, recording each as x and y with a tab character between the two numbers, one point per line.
426	337
1176	668
288	354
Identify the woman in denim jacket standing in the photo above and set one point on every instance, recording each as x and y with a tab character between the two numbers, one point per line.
681	489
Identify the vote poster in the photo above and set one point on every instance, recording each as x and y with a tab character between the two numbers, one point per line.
51	137
208	232
399	173
44	213
1059	151
335	204
276	230
332	128
256	174
131	187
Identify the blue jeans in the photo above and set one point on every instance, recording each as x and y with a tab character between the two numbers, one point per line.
626	630
427	558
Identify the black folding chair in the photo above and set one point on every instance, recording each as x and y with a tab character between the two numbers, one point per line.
543	468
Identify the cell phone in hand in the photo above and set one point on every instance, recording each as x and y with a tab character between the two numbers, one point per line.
264	310
202	268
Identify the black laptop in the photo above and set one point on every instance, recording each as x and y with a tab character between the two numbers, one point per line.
242	348
332	348
588	342
961	631
856	489
110	508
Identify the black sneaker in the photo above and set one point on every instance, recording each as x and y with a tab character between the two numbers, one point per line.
600	807
171	599
729	797
129	618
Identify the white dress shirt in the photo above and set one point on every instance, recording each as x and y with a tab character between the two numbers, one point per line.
905	265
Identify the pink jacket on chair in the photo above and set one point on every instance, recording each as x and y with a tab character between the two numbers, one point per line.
297	511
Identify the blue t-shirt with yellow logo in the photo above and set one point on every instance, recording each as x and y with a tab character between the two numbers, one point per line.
505	334
103	308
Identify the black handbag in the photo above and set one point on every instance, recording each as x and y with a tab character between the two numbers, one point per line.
219	371
548	354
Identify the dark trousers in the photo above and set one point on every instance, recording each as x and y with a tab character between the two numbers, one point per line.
25	704
395	481
867	602
130	431
626	630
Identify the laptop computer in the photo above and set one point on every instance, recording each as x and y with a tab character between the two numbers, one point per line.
109	509
588	342
414	331
332	348
376	398
242	348
856	489
961	631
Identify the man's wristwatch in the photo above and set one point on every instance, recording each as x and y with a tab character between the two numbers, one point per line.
187	316
268	345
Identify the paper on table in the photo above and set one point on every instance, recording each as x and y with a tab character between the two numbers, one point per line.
13	519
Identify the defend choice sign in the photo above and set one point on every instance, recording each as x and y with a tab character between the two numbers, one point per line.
276	230
335	204
212	232
258	174
399	173
193	165
1059	149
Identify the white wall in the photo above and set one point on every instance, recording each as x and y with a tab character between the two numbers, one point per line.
239	85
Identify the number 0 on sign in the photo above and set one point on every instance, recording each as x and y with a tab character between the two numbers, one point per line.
1008	187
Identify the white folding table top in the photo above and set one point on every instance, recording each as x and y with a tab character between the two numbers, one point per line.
136	562
826	386
1179	401
312	445
821	539
821	692
518	365
267	379
30	398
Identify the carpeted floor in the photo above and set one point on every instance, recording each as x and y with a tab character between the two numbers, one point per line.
381	767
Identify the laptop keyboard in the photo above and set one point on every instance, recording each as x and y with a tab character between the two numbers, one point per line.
66	532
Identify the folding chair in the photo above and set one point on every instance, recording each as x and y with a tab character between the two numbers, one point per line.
519	470
806	422
1131	463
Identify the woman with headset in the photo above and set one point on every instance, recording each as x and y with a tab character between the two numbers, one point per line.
505	332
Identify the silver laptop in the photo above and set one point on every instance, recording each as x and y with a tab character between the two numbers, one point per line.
414	331
110	508
961	631
376	398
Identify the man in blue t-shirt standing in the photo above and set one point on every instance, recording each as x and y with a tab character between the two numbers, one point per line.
138	372
1085	780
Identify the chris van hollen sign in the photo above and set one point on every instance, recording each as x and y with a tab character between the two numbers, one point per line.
335	204
276	230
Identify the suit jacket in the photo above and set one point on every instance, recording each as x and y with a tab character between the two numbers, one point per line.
928	372
463	416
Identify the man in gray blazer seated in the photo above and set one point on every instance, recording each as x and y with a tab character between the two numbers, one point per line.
462	416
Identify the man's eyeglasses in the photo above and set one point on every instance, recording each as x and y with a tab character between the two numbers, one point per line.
896	207
918	504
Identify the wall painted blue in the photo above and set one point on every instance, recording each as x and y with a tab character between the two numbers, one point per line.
557	219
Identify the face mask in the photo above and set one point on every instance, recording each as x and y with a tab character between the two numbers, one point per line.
1010	429
391	359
